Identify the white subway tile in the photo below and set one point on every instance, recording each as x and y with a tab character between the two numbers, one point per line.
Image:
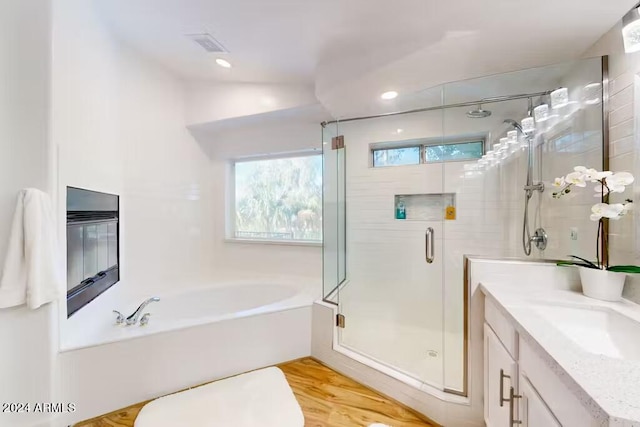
621	130
621	82
621	114
622	98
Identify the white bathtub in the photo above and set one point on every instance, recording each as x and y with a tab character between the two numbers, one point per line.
95	323
193	337
222	302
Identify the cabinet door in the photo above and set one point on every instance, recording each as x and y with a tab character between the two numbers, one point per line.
498	364
533	411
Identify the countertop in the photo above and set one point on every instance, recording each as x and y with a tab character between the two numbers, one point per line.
608	387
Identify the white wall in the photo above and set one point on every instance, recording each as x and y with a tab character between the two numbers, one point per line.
624	86
119	127
273	133
209	102
27	337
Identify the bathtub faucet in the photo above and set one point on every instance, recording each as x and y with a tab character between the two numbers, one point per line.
133	318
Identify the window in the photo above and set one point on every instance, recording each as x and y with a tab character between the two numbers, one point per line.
396	156
427	153
453	152
279	199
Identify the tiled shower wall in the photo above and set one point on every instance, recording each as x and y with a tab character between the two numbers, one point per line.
622	240
571	139
575	140
623	87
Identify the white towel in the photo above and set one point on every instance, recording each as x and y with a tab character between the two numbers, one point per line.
32	272
259	398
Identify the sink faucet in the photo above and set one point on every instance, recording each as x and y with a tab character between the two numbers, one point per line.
133	318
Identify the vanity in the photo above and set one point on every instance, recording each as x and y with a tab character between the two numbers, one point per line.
554	357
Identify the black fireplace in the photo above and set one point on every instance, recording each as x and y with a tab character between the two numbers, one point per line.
93	252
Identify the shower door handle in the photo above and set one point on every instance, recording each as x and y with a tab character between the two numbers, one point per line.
429	245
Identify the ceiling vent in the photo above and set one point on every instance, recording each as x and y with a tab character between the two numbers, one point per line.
208	43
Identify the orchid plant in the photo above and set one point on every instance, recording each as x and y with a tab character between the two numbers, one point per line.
606	183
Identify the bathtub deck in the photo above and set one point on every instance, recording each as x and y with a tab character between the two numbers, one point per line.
327	398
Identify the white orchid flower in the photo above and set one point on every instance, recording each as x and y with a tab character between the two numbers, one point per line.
597	176
591	174
604	210
559	182
576	178
618	181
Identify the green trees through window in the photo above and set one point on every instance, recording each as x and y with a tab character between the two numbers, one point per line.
279	199
433	153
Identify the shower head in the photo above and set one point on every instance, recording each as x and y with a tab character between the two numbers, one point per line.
514	124
478	113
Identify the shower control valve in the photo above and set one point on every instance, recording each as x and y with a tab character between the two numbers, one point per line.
540	238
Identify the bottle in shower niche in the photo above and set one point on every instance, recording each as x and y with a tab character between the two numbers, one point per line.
401	211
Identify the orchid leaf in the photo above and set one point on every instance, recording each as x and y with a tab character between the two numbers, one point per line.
575	264
592	265
633	269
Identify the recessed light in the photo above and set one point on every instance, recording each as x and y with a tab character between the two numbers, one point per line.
399	130
389	95
223	63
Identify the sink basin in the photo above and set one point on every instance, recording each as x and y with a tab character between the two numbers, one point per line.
596	330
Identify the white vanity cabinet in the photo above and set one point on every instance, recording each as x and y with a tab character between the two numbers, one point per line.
533	411
500	371
519	388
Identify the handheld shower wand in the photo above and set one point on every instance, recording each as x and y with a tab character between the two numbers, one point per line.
539	237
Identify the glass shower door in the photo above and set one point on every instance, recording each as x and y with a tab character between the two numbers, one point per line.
333	207
392	300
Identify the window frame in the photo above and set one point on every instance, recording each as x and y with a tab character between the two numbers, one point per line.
230	211
422	144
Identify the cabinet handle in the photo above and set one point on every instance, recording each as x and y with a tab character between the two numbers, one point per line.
428	245
512	399
502	377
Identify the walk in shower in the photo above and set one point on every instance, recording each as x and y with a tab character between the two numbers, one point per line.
467	172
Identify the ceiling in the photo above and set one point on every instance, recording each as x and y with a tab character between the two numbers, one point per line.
354	49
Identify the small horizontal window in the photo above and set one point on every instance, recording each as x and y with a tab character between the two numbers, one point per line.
453	152
427	153
396	156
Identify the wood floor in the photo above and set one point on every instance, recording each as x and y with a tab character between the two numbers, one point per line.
327	398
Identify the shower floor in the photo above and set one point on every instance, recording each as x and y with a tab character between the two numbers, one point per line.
411	350
395	329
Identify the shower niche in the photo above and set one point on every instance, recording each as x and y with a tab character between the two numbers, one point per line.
425	207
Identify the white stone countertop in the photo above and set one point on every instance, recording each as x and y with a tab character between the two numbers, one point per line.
609	387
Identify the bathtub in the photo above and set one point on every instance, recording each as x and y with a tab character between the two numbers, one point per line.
95	323
193	336
223	302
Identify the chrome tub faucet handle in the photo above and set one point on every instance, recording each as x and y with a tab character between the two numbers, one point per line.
120	318
145	319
